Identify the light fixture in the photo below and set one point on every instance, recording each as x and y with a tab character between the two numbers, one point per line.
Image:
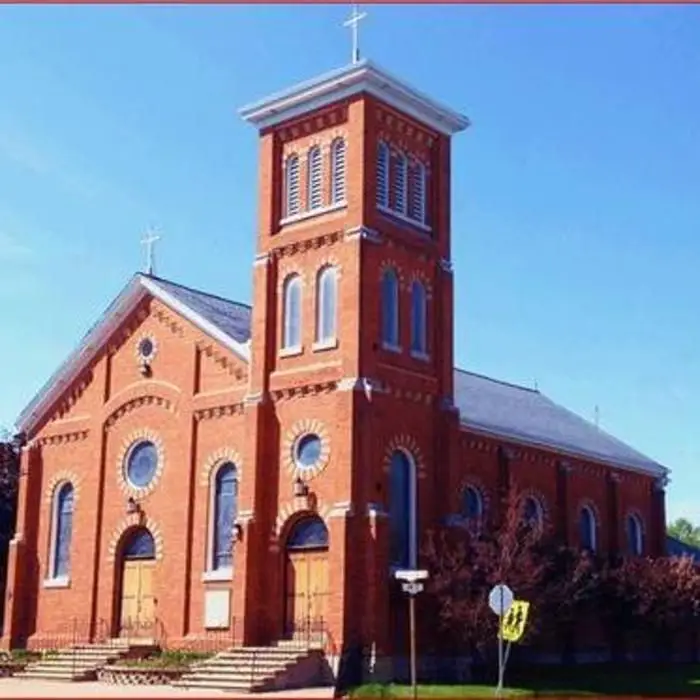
300	488
132	506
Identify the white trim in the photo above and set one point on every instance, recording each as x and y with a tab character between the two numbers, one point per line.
291	352
218	575
56	582
404	218
354	79
311	213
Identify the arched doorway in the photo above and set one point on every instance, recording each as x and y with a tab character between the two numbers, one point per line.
306	575
137	611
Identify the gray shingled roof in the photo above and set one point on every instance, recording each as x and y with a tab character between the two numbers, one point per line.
527	415
231	317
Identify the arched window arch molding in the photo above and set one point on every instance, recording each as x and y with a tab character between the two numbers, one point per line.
62	511
412	506
214	572
472	489
326	332
540	504
292	300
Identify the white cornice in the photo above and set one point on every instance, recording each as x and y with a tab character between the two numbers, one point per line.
93	341
364	76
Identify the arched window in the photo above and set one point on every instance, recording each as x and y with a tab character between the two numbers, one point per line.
390	308
635	536
400	183
291	327
418	192
326	304
382	174
587	529
308	533
402	511
224	516
338	171
532	511
140	545
315	178
291	175
472	507
418	318
63	531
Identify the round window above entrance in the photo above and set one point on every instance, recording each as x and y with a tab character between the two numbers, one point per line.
307	451
141	464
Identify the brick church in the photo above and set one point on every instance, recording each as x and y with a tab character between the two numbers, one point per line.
198	464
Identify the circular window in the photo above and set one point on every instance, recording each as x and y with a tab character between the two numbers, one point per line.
307	451
141	464
146	348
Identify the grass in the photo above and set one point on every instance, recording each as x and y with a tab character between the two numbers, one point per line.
680	680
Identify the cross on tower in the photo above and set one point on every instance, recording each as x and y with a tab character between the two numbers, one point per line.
353	23
149	241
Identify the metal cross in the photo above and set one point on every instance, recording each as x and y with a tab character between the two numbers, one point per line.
353	23
149	241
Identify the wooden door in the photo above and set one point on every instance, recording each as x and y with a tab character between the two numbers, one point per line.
138	601
307	588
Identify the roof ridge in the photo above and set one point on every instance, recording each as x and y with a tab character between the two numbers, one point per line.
156	279
499	381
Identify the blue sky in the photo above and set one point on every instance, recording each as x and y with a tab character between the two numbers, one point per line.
576	216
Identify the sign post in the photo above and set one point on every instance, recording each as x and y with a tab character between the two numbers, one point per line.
500	600
412	585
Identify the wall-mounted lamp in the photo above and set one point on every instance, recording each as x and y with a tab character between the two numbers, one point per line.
132	506
300	488
145	369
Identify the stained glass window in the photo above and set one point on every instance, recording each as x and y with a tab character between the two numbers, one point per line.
532	511
390	308
225	513
308	450
587	527
309	533
141	463
400	510
64	531
140	545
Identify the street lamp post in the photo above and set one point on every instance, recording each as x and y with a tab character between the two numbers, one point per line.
412	585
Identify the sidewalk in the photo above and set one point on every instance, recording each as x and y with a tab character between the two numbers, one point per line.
25	688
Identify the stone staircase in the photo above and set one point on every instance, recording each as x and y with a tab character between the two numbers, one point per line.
254	669
79	662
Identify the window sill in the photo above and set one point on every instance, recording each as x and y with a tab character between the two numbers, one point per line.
291	352
58	582
403	218
422	356
321	345
217	575
391	347
311	213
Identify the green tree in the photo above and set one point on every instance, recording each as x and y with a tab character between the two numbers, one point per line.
682	529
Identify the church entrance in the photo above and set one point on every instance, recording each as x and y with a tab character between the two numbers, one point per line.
137	610
306	577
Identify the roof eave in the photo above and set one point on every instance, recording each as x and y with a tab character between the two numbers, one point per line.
362	77
658	470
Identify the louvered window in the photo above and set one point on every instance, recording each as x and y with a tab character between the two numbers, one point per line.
418	192
382	175
338	171
292	203
315	178
400	182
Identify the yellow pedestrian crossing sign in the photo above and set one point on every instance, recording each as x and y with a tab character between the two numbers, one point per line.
513	622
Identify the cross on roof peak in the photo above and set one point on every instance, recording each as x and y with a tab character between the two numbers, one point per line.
149	240
353	22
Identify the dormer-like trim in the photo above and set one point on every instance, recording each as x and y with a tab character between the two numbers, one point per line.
362	77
